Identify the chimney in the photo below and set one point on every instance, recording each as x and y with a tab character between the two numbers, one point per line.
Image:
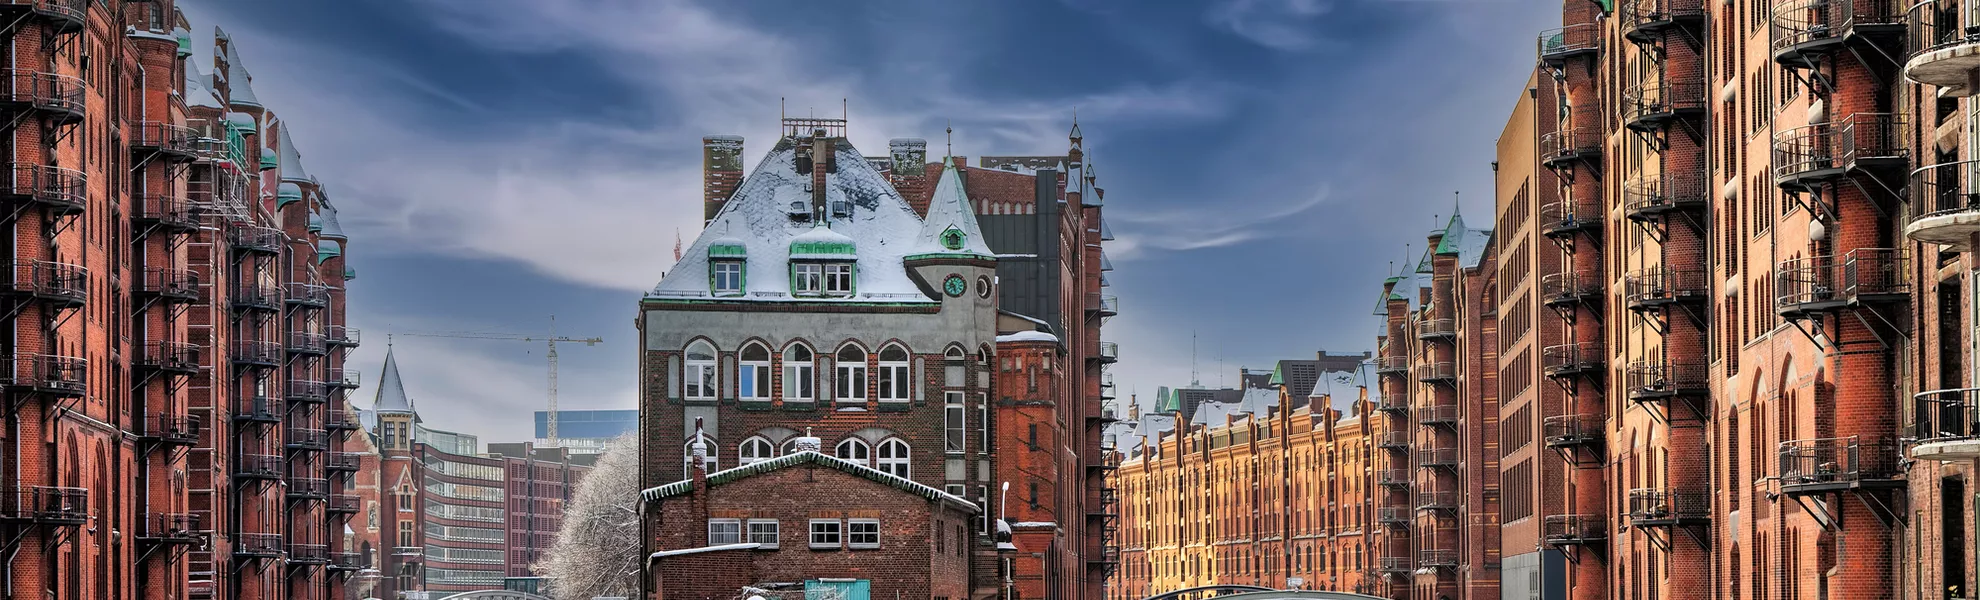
721	172
908	170
822	163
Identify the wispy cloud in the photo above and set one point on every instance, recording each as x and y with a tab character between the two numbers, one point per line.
1280	24
1215	225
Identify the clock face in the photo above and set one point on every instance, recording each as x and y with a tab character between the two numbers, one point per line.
955	285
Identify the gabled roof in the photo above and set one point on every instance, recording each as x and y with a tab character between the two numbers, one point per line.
240	85
292	167
331	229
391	396
951	221
809	458
197	92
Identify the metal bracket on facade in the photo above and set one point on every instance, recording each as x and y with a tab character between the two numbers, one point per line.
1819	512
1886	514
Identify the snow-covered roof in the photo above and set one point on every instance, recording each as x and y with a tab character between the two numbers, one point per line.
1466	243
240	85
950	229
331	229
1028	336
197	92
292	167
391	396
242	121
760	467
881	225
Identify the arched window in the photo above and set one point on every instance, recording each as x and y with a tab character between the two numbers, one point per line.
893	374
753	377
754	449
852	374
954	353
893	457
687	456
799	374
701	370
856	451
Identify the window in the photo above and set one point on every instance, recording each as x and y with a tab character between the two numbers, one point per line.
983	420
855	450
798	369
852	374
405	501
763	531
753	379
700	375
824	534
807	279
754	449
955	426
863	534
728	277
894	457
407	538
839	279
893	374
724	531
687	456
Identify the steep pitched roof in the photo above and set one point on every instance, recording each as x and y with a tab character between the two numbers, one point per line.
240	85
809	458
292	167
197	92
391	392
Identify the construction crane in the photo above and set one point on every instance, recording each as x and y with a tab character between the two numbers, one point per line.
552	339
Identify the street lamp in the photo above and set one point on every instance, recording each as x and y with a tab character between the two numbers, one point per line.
1002	525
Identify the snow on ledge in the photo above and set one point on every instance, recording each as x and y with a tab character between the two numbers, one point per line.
1028	336
667	553
1034	524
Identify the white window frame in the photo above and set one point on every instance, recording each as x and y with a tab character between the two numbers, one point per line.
807	279
983	420
865	458
712	462
726	271
838	279
850	384
730	529
852	534
701	377
837	533
901	465
896	385
800	376
755	449
955	423
766	540
753	375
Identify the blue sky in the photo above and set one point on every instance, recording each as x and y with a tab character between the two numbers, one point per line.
499	161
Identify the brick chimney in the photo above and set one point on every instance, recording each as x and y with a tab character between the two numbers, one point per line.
721	172
908	170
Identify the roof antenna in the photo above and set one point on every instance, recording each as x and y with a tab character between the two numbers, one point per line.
1457	206
1193	381
780	109
950	129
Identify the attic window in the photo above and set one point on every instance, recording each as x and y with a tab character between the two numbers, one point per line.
953	239
726	277
822	279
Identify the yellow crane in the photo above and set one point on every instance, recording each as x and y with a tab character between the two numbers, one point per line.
551	340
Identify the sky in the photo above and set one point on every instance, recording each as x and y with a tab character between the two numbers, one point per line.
498	162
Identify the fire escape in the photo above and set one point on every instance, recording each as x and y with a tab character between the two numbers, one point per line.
164	362
259	466
1102	504
1395	477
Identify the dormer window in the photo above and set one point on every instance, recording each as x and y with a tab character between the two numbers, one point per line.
838	279
727	277
822	279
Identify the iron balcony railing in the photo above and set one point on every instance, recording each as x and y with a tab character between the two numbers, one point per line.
1436	500
60	284
1569	144
308	488
1436	414
338	419
1563	431
1659	286
1392	439
1437	557
1110	351
177	430
1568	216
257	353
1644	20
1660	507
344	377
1393	477
1649	197
1944	415
1820	151
306	342
61	96
67	16
258	545
64	375
1431	329
1438	457
1395	564
170	210
1658	379
1391	365
314	554
1876	274
255	238
1945	203
1803	28
172	528
1651	104
1573	359
306	439
342	336
155	136
175	284
171	357
1562	43
345	503
1568	288
1566	530
1392	515
258	466
1392	403
303	390
1847	461
306	294
45	504
1935	25
257	296
1442	371
346	561
64	191
1808	285
259	409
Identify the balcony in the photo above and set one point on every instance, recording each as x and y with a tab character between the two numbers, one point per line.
308	392
1646	21
257	239
172	142
344	504
66	506
1394	516
308	554
1392	365
258	467
1655	105
409	553
168	211
1806	31
257	545
60	98
341	336
171	430
1571	431
1437	372
343	462
178	286
1391	440
56	285
1573	360
256	353
307	488
1568	289
1440	501
1809	156
1945	203
1574	530
1945	425
1110	352
1649	199
1394	565
1559	45
1395	478
1439	457
1654	380
1392	404
62	191
63	16
1436	329
1436	414
1944	45
312	295
1437	558
1820	466
1659	507
258	410
306	439
63	376
1567	218
307	343
346	561
337	420
178	358
171	529
1659	287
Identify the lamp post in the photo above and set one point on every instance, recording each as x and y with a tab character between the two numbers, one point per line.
1003	494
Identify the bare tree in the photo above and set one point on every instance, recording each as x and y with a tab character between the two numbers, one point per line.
597	552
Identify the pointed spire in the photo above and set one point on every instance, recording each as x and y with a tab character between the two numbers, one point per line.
951	224
391	396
